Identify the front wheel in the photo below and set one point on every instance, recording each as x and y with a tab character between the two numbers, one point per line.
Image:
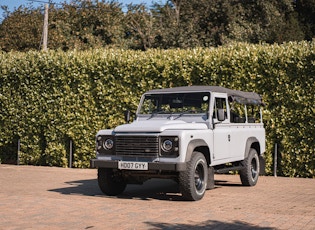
250	173
193	181
110	182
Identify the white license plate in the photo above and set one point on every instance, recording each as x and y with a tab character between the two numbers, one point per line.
130	165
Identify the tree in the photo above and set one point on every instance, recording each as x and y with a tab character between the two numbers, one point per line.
21	30
175	24
184	23
86	24
306	14
140	26
190	23
80	24
269	21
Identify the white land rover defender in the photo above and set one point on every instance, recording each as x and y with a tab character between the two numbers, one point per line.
186	134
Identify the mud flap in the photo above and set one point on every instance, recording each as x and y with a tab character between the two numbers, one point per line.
262	164
210	182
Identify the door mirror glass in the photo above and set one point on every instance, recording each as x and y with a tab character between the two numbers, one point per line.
220	109
221	115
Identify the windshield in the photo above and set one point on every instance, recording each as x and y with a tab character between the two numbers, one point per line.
181	103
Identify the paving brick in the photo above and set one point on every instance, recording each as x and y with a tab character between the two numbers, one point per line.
62	198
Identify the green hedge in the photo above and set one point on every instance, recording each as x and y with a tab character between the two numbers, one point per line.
50	98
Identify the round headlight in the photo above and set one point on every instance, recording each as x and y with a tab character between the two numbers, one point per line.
108	144
167	145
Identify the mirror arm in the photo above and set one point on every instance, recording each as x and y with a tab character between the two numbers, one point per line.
127	116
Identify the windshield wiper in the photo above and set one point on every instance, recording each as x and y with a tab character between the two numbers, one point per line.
186	112
157	112
190	112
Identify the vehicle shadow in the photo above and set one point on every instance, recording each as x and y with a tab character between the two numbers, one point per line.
159	189
210	224
223	183
80	187
152	189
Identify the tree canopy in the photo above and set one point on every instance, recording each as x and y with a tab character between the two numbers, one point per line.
176	24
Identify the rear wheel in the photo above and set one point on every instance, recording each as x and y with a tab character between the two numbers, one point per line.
250	173
110	182
193	181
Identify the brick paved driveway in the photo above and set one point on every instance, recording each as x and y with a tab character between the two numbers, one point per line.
59	198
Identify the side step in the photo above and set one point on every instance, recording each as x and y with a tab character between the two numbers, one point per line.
228	169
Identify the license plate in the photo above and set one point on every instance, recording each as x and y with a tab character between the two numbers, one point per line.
130	165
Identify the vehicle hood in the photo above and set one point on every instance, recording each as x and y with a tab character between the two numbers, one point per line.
159	126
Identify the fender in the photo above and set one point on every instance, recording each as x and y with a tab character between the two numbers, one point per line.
249	143
198	143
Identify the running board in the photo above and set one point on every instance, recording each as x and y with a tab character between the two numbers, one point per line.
228	169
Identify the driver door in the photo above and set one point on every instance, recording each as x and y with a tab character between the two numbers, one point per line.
221	131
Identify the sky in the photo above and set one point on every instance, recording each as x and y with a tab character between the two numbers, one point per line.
16	3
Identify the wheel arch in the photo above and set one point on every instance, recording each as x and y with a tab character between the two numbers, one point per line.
252	142
198	145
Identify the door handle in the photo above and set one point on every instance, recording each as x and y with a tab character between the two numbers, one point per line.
229	137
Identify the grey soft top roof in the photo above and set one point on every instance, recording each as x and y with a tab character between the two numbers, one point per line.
234	95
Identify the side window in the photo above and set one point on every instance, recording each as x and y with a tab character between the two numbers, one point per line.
237	113
220	104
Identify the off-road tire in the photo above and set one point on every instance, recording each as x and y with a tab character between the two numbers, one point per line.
251	168
110	183
193	181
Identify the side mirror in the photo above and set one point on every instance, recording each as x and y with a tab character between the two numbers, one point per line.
221	115
127	116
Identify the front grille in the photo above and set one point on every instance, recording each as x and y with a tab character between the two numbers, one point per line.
137	146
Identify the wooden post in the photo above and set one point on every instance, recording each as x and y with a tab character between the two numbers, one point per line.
275	161
18	151
70	155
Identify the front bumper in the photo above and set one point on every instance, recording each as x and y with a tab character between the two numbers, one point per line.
177	167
